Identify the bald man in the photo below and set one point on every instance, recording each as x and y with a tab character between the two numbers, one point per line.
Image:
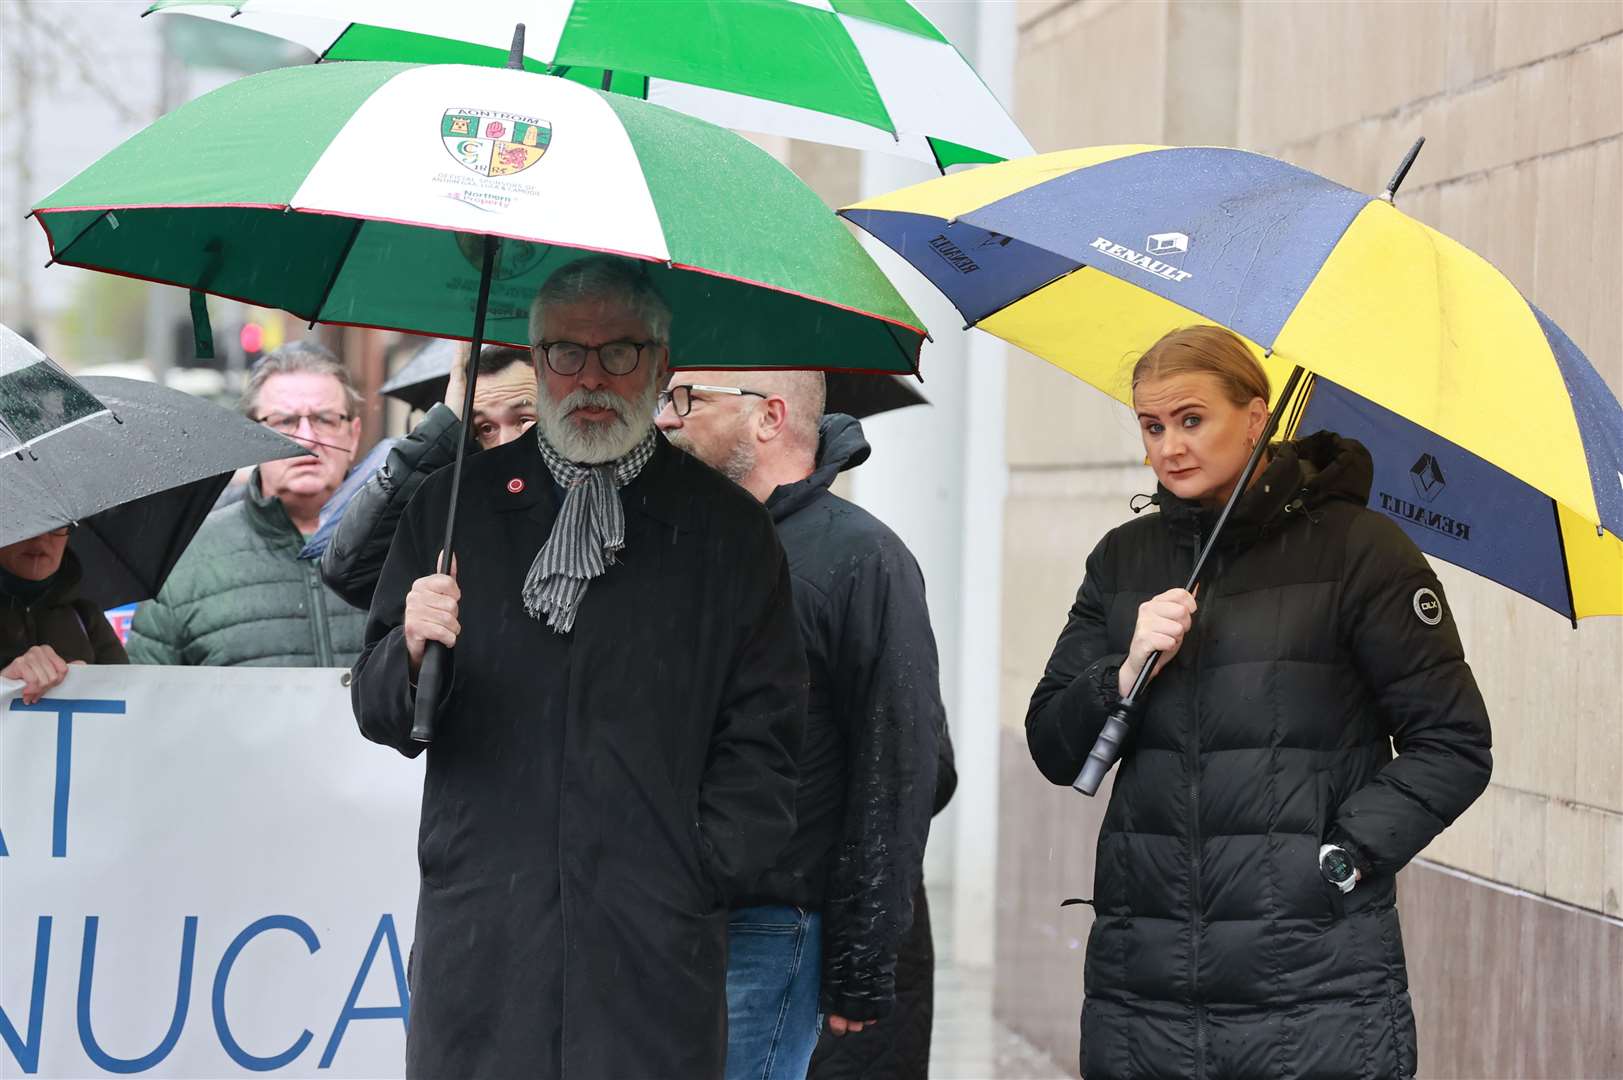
819	933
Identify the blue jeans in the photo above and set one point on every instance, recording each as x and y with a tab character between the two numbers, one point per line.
774	975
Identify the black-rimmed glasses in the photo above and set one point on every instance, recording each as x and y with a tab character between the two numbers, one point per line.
680	398
616	357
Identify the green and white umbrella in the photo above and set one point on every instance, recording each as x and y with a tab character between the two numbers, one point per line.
868	74
436	199
358	193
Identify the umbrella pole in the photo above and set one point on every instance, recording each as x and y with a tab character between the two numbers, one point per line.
1107	749
431	677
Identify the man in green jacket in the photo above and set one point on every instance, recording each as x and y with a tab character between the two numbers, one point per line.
240	595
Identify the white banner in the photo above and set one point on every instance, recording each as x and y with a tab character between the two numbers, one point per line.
204	872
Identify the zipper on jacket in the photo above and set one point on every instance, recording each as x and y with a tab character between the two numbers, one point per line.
1194	850
319	627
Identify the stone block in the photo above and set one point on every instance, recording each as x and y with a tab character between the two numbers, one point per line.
1468	54
1468	844
1064	99
1596	83
1480	128
1575	860
1612	884
1527	30
1519	856
1596	735
1544	107
1057	419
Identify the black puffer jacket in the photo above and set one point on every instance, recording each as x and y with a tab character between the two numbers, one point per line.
1321	641
875	730
353	561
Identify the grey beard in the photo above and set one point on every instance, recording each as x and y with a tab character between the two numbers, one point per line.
593	444
740	461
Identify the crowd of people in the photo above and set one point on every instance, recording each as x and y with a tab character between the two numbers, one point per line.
674	815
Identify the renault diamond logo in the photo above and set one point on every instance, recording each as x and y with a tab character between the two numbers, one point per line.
1166	243
1427	475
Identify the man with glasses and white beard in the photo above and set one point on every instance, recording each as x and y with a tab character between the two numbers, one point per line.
240	595
614	754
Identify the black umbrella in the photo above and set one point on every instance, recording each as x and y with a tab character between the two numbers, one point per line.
137	479
423	379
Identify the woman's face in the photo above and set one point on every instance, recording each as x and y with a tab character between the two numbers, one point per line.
36	558
1196	438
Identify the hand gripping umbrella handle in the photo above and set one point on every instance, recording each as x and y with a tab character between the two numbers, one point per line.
430	681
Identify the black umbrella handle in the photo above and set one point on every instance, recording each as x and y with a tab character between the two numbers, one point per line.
1107	747
431	675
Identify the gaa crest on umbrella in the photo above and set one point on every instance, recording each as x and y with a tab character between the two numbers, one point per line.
490	143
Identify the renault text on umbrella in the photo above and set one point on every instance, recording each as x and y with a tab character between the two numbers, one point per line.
953	254
1143	262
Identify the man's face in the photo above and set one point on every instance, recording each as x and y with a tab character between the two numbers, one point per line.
324	428
717	428
504	405
36	558
593	416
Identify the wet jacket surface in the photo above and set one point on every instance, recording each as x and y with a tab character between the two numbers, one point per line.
75	628
875	730
1217	948
353	560
241	596
593	802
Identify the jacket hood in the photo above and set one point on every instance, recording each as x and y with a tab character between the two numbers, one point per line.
840	446
1303	475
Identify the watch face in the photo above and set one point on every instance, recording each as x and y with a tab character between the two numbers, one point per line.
1337	865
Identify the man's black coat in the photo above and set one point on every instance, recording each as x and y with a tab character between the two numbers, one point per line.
1322	640
875	730
593	801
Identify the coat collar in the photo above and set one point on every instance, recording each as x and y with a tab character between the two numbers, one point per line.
657	492
267	516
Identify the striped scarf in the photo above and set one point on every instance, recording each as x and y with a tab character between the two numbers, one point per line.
590	530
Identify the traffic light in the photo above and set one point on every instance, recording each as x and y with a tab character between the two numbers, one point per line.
252	339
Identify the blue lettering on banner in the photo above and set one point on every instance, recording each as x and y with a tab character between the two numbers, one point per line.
64	708
222	1027
183	993
384	932
26	1051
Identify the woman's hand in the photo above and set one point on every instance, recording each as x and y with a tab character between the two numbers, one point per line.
39	669
1162	622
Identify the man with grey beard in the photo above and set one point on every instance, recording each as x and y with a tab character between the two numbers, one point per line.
615	751
821	930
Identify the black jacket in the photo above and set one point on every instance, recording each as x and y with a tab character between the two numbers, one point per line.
875	729
57	617
353	560
593	801
1217	948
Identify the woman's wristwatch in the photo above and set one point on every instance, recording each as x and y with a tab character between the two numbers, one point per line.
1336	864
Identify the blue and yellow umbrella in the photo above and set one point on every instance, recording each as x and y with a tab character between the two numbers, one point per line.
1497	445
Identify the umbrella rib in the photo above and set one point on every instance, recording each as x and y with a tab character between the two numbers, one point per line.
80	235
337	269
1561	546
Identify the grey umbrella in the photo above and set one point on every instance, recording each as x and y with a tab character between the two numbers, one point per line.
137	479
422	381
